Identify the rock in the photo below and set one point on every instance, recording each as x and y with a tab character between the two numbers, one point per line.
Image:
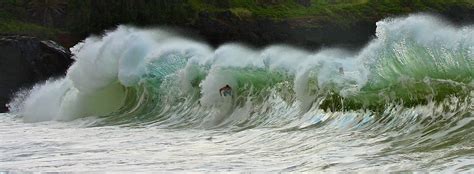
25	61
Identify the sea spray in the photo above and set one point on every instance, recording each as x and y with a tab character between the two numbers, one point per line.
132	75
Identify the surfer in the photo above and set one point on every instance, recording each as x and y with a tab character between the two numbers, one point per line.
225	91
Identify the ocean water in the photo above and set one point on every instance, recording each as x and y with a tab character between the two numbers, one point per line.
143	100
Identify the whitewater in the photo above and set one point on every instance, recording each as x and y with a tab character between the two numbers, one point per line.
141	100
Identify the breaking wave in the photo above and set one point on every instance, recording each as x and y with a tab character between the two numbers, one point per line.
417	71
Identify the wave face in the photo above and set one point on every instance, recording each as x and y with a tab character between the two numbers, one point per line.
417	68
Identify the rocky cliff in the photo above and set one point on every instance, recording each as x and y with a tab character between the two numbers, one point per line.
303	32
308	32
25	61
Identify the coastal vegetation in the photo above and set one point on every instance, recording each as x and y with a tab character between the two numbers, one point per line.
53	18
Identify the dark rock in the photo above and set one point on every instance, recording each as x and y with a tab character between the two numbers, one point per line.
26	61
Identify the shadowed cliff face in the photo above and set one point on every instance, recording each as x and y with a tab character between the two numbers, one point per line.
308	32
303	32
25	61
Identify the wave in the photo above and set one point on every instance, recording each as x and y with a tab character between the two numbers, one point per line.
418	68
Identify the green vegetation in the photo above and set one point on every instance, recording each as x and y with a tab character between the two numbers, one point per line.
46	9
96	16
24	28
283	9
16	17
82	17
241	13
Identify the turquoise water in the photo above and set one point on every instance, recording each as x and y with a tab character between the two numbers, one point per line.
141	100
